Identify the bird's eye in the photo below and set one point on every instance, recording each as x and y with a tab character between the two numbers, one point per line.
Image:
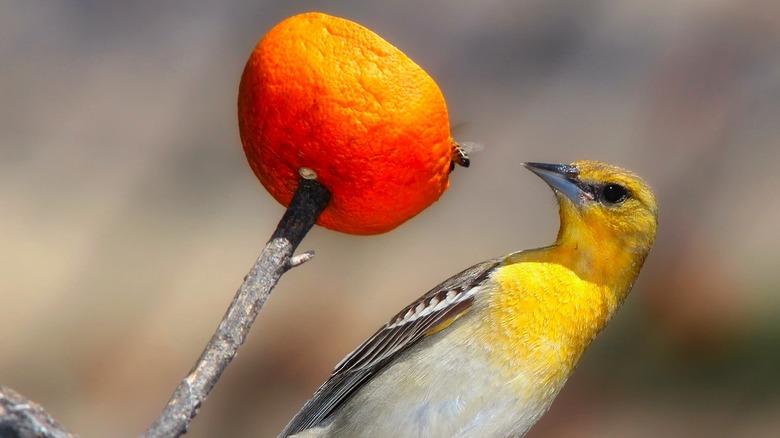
614	193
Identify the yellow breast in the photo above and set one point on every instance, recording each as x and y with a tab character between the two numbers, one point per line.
543	316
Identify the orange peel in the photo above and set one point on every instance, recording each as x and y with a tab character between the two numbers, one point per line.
327	97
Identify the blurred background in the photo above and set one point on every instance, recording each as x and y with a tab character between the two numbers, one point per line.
128	214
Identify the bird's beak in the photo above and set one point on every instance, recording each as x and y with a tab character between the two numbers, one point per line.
563	178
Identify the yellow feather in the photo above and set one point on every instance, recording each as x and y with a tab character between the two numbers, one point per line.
550	303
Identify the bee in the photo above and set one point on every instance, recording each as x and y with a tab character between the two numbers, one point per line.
460	153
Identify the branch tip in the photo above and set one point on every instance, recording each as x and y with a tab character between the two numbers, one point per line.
300	259
309	200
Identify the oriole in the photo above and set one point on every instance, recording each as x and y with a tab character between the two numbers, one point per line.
484	353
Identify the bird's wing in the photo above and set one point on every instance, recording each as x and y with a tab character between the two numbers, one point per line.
440	306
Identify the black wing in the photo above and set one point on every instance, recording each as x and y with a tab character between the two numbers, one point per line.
440	305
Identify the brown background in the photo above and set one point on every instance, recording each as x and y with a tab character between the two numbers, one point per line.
128	215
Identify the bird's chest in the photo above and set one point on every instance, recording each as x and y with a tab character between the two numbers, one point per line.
542	318
452	388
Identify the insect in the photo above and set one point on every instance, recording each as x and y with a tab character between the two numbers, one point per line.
460	153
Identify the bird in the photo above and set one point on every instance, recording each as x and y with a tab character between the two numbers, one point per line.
485	353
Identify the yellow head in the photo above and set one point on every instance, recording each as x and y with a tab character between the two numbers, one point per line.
608	214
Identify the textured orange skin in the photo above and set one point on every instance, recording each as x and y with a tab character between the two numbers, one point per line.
328	94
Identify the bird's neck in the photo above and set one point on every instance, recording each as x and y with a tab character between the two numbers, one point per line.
599	255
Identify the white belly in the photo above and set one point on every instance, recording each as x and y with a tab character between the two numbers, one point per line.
443	393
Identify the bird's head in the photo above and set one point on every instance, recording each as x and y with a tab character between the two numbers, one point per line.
602	206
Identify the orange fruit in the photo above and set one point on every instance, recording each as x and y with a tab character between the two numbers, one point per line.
326	94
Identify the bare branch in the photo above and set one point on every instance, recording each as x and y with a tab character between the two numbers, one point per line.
277	257
22	418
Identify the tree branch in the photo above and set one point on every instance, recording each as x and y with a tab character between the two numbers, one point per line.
309	201
22	418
